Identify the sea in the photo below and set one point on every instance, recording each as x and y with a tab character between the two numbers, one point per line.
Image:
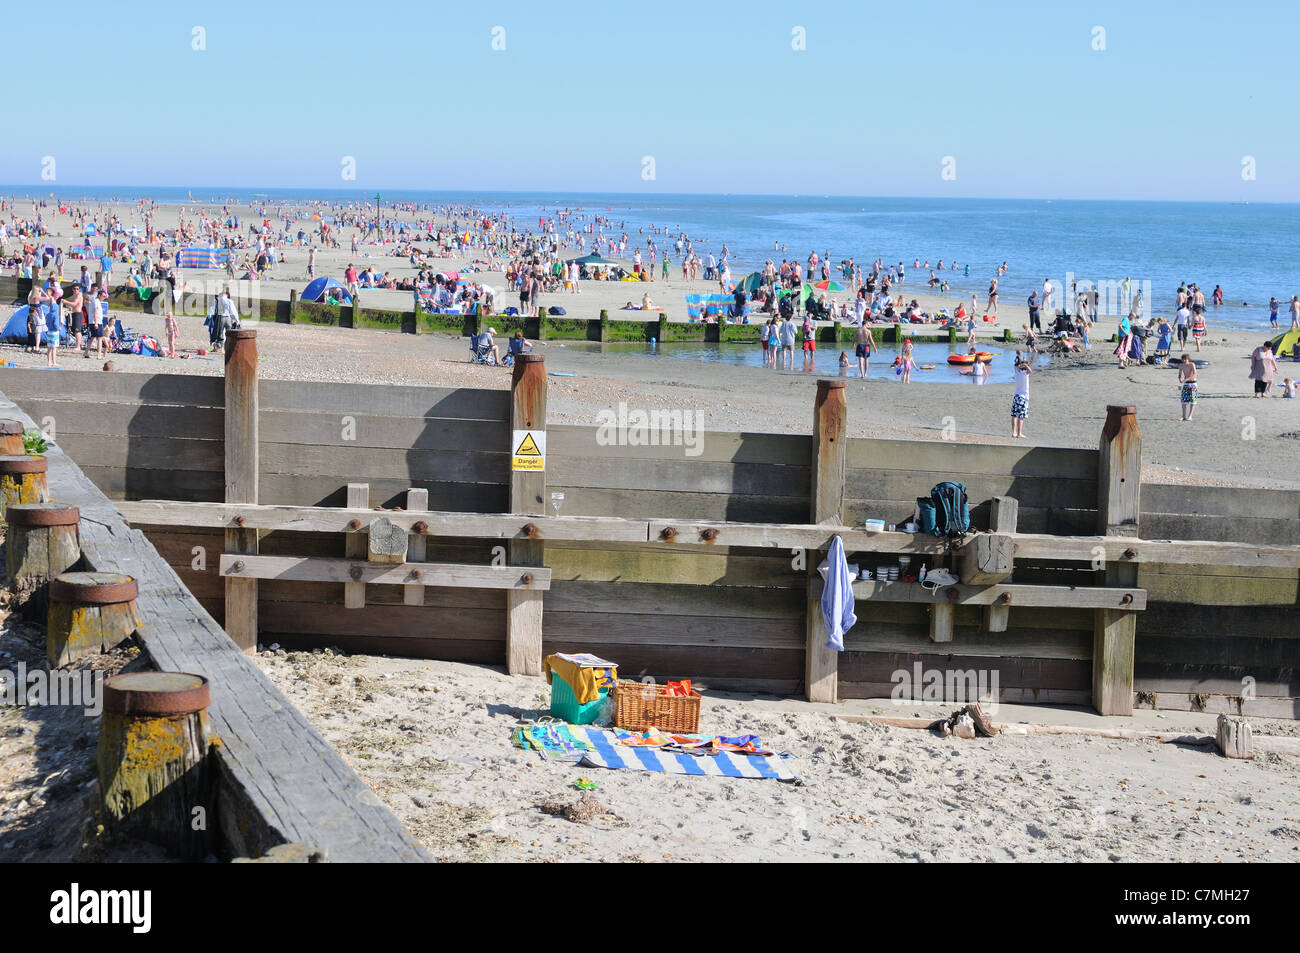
1250	250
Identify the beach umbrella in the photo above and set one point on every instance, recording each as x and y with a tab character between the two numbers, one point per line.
595	261
828	285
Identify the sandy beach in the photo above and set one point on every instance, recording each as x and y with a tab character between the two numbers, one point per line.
433	740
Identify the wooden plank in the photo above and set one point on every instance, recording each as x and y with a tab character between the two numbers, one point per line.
973	640
395	622
595	501
703	601
826	506
1119	486
617	630
354	544
135	420
747	479
417	544
900	668
181	389
1223	704
1227	501
373	430
179	485
307	490
784	450
524	631
363	572
1077	597
1058	492
1010	696
938	456
336	519
389	399
343	459
144	453
241	477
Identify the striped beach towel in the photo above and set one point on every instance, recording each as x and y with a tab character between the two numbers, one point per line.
608	753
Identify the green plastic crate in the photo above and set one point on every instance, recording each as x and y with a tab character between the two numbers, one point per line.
564	704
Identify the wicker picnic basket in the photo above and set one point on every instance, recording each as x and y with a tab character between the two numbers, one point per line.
641	706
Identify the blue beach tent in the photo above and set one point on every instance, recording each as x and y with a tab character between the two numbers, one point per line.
15	328
315	290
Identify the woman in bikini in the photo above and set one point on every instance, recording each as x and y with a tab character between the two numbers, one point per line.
993	298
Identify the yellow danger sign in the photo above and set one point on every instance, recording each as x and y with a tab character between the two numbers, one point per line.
528	450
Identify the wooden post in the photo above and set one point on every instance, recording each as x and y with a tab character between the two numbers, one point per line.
985	559
1004	512
385	542
90	612
417	500
527	495
23	480
829	464
40	543
11	438
1233	737
355	546
155	779
941	620
241	478
293	305
1119	484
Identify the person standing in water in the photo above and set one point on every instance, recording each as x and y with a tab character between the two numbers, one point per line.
862	348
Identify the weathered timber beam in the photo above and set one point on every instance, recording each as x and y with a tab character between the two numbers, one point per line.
320	569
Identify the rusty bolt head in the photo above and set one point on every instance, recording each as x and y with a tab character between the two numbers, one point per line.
531	531
354	524
237	566
414	574
239	521
1005	598
527	579
668	534
951	593
354	572
709	535
1126	599
422	528
1130	553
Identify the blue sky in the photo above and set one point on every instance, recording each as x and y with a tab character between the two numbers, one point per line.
1014	92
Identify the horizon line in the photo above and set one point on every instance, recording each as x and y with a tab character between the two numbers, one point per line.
232	190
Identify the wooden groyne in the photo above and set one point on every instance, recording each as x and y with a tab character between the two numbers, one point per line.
278	780
691	557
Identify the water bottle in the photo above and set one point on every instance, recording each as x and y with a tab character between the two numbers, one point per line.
921	578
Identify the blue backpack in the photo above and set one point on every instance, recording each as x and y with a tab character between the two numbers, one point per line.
951	510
